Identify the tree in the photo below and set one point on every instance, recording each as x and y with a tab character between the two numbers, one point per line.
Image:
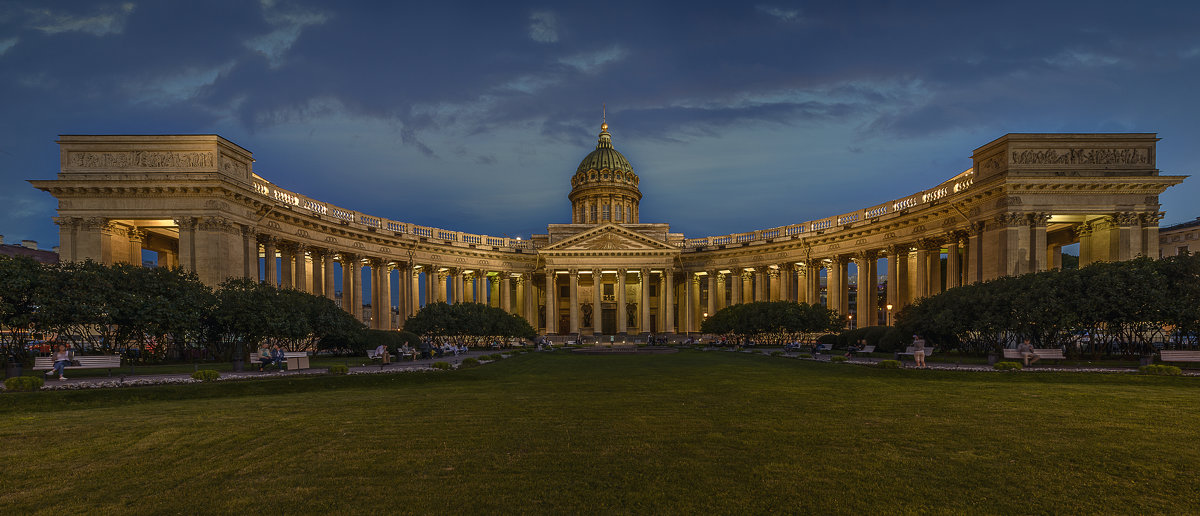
468	323
22	284
772	322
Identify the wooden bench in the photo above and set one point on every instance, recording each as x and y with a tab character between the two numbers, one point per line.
1042	354
823	347
1178	355
294	359
109	362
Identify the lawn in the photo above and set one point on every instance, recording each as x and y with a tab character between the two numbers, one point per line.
694	432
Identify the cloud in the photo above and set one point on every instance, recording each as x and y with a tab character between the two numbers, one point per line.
109	20
786	15
289	24
543	27
592	62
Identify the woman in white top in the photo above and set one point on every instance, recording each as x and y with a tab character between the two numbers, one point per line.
62	359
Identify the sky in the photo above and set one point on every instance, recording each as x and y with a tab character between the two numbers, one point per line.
472	116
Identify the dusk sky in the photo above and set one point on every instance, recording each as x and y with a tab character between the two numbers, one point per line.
473	116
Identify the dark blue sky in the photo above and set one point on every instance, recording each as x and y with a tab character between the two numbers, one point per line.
473	116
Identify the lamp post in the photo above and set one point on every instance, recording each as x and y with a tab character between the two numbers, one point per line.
850	323
889	314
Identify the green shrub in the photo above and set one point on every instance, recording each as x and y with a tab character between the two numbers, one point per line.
1160	369
888	364
776	353
828	338
837	358
339	369
1007	366
24	383
468	362
440	365
206	375
805	355
890	341
494	356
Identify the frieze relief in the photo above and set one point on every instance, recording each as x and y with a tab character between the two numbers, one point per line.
141	159
1081	157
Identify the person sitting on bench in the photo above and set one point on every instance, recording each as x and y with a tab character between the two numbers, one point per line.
1026	351
264	356
277	356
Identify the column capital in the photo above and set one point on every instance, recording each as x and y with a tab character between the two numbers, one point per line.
266	238
1127	218
772	272
182	222
1152	218
1039	219
865	256
929	244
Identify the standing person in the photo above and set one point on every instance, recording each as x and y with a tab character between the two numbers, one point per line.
919	351
62	359
1026	351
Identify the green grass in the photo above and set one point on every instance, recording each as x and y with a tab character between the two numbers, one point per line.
188	367
559	433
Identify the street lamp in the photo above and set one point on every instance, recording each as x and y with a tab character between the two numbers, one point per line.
889	314
850	325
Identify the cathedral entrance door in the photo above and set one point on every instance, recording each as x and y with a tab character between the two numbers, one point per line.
608	321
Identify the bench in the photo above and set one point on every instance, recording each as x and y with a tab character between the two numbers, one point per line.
85	362
823	347
1177	355
909	351
294	359
1042	354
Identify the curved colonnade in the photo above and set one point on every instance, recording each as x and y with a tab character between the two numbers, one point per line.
196	202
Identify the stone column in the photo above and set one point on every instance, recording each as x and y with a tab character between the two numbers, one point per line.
801	277
526	299
773	282
953	275
269	266
747	287
356	268
1037	255
737	282
814	282
669	300
551	303
720	293
760	283
481	287
287	260
1149	235
693	302
893	282
935	268
301	270
506	292
622	314
644	324
1129	235
974	254
597	301
347	282
921	270
330	287
136	238
712	293
574	277
249	253
318	272
834	279
865	304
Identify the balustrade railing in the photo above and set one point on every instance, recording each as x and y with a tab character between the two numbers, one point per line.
957	184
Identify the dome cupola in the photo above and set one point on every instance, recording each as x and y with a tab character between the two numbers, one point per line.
604	187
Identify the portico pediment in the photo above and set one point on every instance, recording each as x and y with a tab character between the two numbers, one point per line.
609	237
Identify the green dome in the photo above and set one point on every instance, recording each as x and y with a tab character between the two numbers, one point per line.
605	156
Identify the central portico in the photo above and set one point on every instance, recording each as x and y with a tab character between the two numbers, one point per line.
609	279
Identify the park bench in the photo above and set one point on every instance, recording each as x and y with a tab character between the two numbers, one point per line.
868	349
294	359
909	351
824	347
85	362
1177	355
1042	354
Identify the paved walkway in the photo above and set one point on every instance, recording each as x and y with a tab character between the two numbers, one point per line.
949	366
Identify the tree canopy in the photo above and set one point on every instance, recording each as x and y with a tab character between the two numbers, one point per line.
772	322
468	323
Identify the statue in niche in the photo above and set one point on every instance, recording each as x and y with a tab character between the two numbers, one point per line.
631	313
586	310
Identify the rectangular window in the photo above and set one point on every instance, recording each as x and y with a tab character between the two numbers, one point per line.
653	290
607	212
595	209
564	291
620	212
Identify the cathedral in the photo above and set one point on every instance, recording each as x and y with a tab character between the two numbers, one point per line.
194	201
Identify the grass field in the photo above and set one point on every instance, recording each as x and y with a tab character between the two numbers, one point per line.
689	433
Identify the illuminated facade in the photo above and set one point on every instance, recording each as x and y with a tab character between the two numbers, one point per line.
197	203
